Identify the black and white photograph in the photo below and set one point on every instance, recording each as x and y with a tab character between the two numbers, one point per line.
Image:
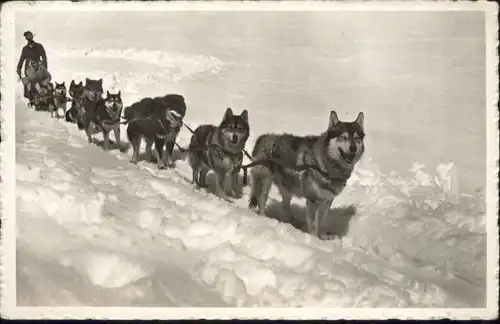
226	159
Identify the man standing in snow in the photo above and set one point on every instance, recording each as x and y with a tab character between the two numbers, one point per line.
33	51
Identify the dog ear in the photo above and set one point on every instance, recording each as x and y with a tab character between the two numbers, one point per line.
119	94
360	120
87	80
81	83
107	93
72	82
334	120
63	84
100	82
228	114
244	116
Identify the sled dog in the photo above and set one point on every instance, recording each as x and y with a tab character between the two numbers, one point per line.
158	120
103	116
92	94
220	149
312	167
157	129
75	113
148	106
93	90
72	86
60	100
43	99
83	95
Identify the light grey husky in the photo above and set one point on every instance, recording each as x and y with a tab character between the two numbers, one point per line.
313	167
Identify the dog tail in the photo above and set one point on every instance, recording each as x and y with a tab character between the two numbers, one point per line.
256	174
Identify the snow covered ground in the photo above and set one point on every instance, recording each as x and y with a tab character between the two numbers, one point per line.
95	230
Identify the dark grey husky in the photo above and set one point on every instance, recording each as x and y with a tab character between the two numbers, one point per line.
76	110
156	120
103	116
92	93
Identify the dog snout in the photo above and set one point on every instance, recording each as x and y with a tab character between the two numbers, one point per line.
352	148
234	138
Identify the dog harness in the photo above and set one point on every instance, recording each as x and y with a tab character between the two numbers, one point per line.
206	149
114	115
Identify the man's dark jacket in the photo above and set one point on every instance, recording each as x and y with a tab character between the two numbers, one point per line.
33	51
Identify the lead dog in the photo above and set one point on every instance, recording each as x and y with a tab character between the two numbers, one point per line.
329	159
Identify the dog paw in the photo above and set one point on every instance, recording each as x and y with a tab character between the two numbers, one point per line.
199	188
133	161
222	195
255	209
162	164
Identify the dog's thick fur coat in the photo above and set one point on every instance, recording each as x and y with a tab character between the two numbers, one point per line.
220	149
103	116
330	156
156	120
60	100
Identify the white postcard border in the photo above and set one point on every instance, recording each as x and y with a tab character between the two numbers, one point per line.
8	196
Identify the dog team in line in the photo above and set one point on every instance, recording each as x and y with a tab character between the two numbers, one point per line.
314	167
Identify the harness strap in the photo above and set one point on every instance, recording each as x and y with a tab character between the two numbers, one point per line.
298	168
66	99
125	122
192	132
110	113
268	161
207	147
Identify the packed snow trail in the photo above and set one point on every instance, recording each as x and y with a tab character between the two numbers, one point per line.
94	229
